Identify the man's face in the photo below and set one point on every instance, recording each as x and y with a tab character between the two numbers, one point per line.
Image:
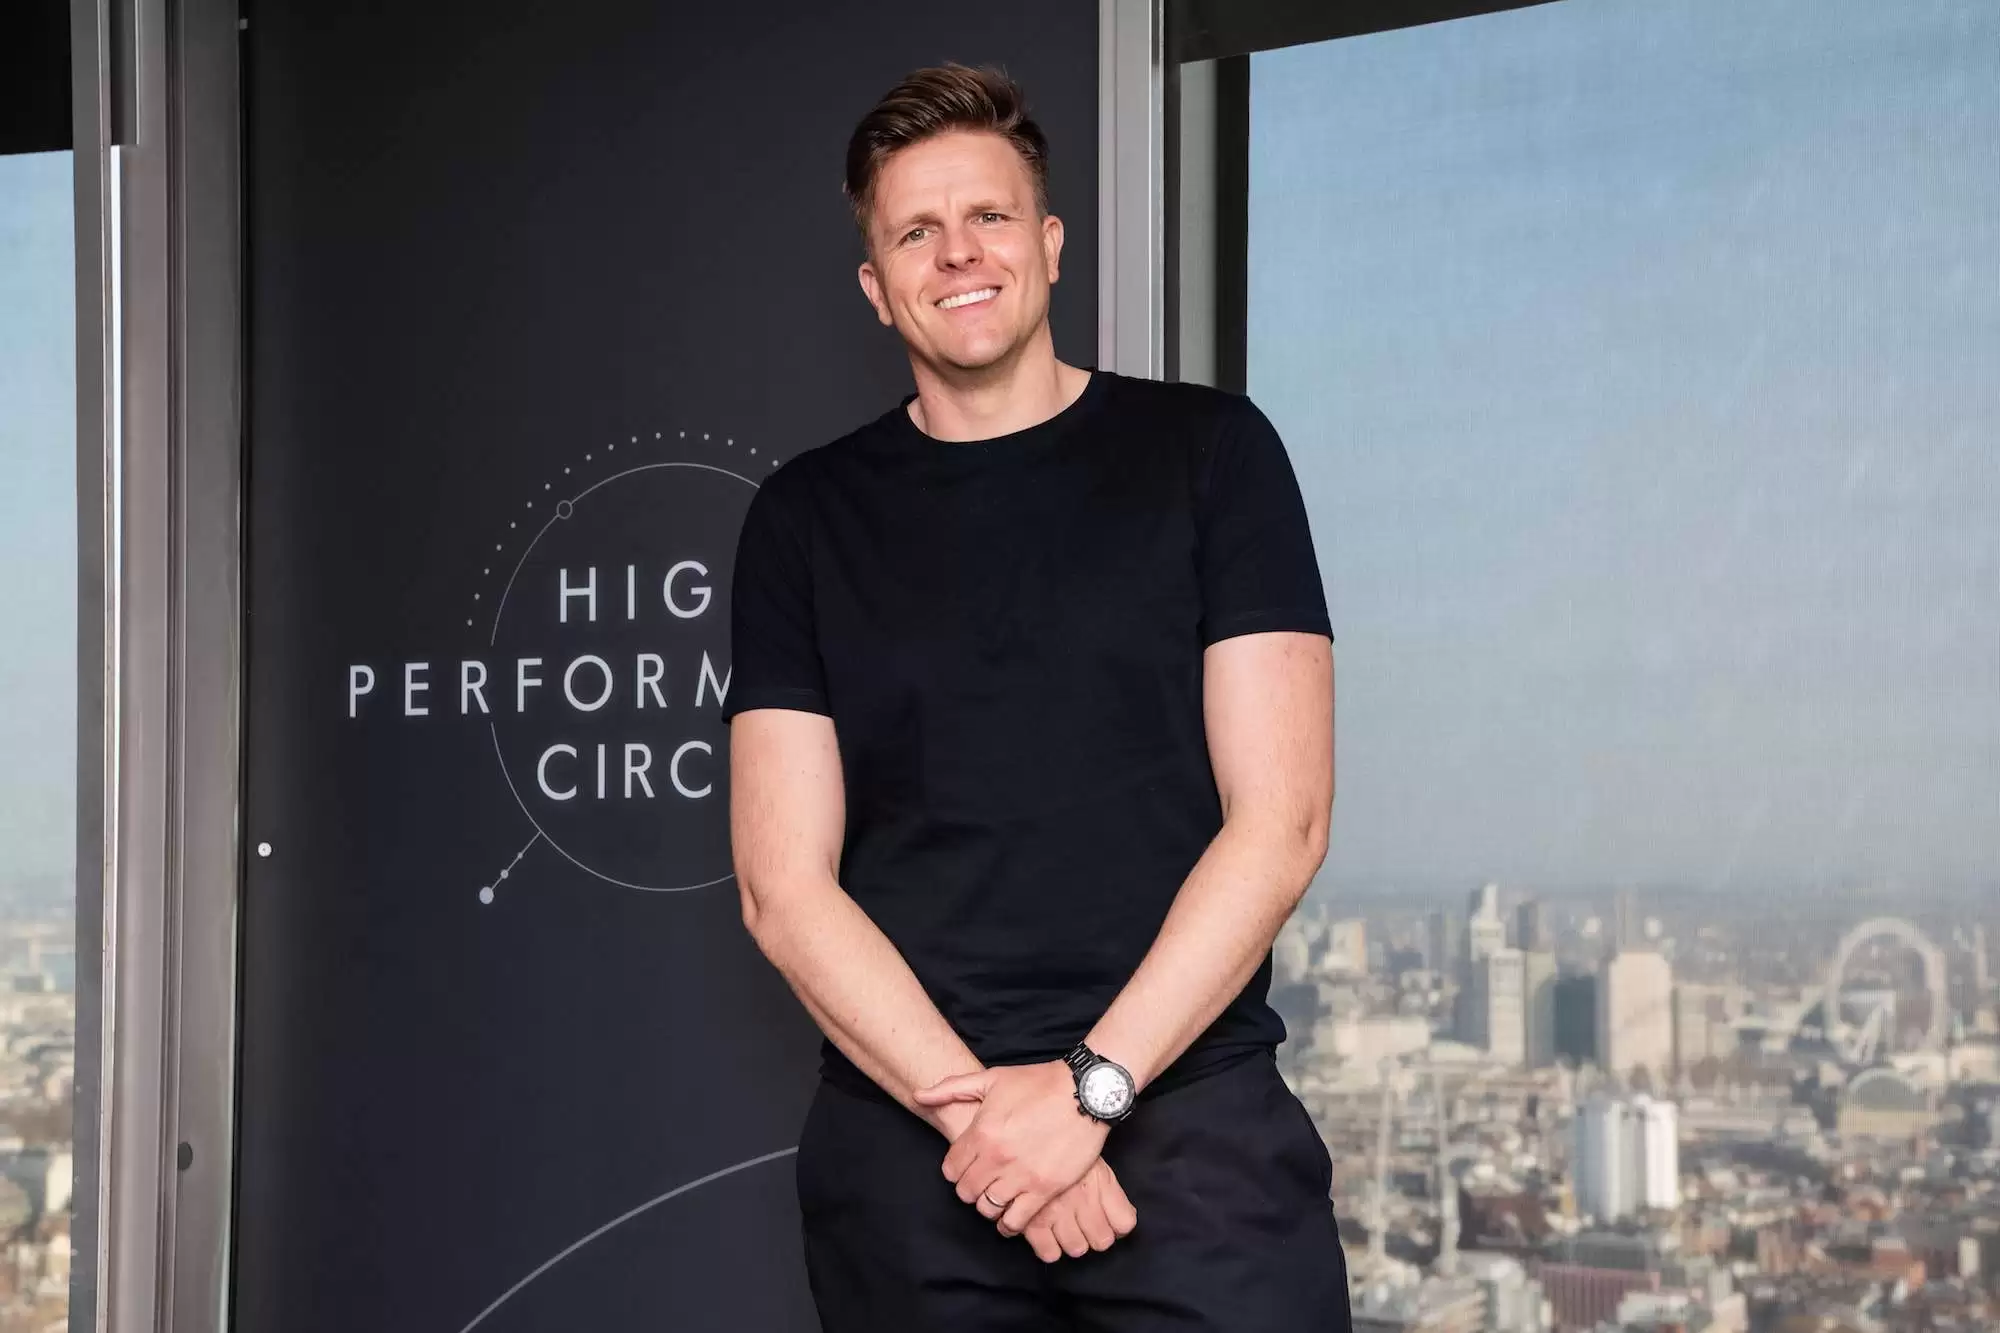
958	261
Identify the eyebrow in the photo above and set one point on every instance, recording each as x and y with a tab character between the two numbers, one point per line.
929	215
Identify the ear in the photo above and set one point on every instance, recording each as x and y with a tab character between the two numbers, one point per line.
1052	242
871	287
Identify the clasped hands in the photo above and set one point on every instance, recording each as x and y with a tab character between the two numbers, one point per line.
1025	1156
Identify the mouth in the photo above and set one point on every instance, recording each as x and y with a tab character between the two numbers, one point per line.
964	299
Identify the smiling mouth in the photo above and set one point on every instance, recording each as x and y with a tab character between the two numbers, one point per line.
968	298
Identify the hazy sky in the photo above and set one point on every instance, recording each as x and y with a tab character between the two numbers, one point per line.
37	517
1641	363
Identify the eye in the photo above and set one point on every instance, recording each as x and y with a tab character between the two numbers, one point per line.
992	215
914	233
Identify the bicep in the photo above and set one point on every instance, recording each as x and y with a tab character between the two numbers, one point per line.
787	805
1267	706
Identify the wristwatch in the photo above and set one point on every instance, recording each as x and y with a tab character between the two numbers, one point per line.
1104	1088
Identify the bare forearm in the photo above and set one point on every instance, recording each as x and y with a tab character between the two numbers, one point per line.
1215	936
861	992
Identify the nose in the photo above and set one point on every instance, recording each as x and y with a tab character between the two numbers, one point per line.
960	248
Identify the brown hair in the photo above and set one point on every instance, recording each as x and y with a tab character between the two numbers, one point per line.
936	101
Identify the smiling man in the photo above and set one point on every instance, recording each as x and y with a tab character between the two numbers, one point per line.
1031	707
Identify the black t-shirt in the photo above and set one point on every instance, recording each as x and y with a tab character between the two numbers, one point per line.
1008	636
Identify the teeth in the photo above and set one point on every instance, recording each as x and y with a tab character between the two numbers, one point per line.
968	298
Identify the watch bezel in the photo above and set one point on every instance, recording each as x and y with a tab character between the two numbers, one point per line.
1082	1062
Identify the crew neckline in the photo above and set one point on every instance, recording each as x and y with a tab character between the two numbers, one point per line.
907	440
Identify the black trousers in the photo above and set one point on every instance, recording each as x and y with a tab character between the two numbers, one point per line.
1235	1231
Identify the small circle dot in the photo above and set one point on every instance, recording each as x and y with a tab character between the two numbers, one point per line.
531	504
586	458
564	509
565	472
656	435
545	485
486	894
263	849
496	546
468	622
635	439
487	570
753	449
511	524
503	874
732	440
704	435
684	435
475	597
610	446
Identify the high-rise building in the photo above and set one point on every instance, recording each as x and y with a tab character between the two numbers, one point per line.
1576	1018
1656	1152
1440	951
1531	927
1538	1007
1635	1021
1704	1023
1347	946
1485	928
1627	1156
1485	931
1601	1163
1498	1006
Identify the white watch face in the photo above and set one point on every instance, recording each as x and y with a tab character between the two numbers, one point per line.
1106	1090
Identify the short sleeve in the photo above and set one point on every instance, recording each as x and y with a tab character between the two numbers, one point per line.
1258	568
774	659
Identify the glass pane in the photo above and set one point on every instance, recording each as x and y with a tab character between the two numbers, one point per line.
38	679
1641	364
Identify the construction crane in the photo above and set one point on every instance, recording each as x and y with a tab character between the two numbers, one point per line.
1378	1201
1447	1184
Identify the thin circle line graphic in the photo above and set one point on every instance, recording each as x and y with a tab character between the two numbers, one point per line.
620	1220
588	870
527	550
500	608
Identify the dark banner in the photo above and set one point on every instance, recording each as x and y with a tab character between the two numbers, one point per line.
538	295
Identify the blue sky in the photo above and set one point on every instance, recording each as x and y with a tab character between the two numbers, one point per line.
37	518
1640	360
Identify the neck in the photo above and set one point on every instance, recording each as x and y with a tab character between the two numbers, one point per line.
1013	394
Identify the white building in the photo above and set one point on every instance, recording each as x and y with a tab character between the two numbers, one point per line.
1601	1166
1485	928
1657	1152
1627	1156
1347	947
1635	1016
1498	1006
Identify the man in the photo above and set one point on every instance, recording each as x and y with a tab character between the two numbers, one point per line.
1032	755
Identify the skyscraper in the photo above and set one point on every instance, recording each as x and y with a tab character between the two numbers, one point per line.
1627	1156
1531	927
1657	1152
1635	1020
1485	928
1441	953
1499	1006
1601	1165
1347	946
1576	1018
1485	931
1538	1006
